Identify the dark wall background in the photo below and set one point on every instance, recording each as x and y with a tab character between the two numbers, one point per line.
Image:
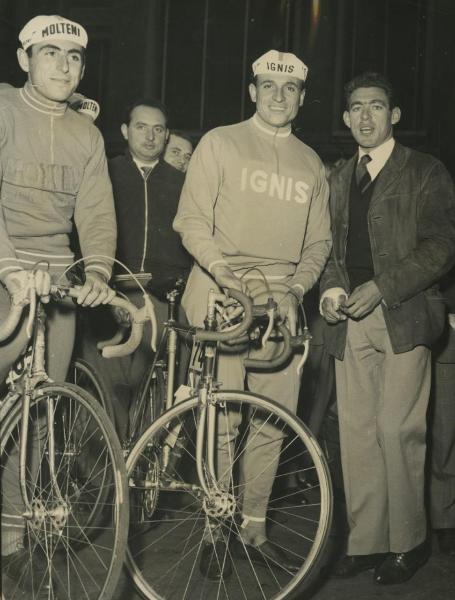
195	55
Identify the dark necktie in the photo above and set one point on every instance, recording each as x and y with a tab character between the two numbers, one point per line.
146	171
361	173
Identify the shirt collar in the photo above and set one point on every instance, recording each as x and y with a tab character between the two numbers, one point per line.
379	156
280	132
140	164
41	104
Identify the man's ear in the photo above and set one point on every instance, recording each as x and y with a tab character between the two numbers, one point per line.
167	135
396	115
347	119
23	60
302	97
124	130
253	92
82	71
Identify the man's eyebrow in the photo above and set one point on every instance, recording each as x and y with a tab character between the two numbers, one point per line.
49	47
52	47
150	124
274	82
372	101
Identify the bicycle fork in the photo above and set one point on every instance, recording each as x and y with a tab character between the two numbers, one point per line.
34	510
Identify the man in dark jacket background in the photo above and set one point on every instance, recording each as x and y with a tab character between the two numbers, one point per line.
146	194
393	227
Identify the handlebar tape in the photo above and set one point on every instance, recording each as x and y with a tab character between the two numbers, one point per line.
111	351
116	339
137	325
260	364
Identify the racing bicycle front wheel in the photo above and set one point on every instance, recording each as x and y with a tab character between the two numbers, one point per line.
164	560
76	482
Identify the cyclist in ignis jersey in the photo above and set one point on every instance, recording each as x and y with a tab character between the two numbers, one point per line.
255	196
52	169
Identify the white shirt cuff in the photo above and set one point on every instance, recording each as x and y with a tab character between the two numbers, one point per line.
332	293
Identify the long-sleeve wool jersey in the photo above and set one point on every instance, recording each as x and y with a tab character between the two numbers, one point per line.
256	198
53	168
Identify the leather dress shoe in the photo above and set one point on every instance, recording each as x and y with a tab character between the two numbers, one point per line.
446	540
266	554
350	566
398	568
215	562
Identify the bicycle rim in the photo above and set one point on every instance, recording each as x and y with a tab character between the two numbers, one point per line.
164	560
82	374
149	402
83	555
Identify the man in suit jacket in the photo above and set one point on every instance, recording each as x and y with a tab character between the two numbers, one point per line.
393	227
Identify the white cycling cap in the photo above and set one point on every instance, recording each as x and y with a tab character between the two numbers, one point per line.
280	63
47	28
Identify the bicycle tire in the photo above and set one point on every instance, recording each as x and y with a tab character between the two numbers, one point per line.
163	562
82	374
84	558
149	402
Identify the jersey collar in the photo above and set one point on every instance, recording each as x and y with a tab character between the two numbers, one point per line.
40	104
280	132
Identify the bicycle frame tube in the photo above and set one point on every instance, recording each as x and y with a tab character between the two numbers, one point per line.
37	367
171	358
36	375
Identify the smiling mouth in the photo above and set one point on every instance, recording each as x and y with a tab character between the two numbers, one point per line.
366	130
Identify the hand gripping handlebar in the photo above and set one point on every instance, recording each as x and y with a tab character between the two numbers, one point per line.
203	335
234	340
111	348
137	317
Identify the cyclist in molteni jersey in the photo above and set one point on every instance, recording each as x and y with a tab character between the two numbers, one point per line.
52	169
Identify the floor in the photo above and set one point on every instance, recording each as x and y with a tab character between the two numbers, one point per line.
434	581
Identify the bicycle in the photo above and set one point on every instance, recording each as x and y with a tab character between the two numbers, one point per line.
189	502
61	444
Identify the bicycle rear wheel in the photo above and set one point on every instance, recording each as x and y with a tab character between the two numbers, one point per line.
148	405
164	560
83	553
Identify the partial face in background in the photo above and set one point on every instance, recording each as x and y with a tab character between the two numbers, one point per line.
278	98
54	69
146	133
370	117
178	152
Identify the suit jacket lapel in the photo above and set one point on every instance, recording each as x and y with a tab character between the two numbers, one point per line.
344	181
389	174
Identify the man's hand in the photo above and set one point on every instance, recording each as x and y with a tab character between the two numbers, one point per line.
330	309
95	290
287	308
362	301
226	278
17	284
